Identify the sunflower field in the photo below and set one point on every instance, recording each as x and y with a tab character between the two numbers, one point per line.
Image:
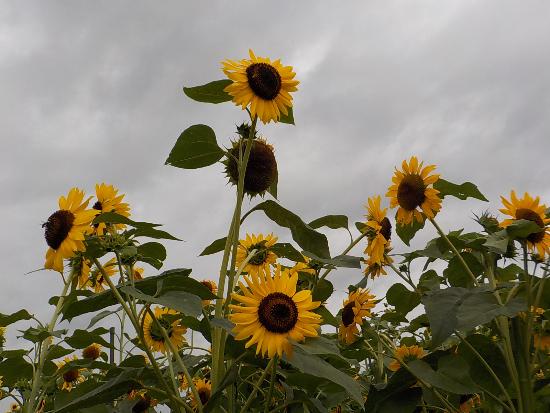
465	327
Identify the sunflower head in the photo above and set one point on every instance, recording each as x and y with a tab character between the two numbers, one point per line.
108	200
92	352
211	285
411	190
263	85
96	280
153	334
530	209
263	258
354	309
70	377
261	170
405	354
308	266
204	389
272	312
375	269
378	230
137	273
65	229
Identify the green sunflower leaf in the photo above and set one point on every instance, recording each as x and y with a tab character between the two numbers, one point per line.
195	148
330	221
462	191
289	118
215	247
407	232
181	301
451	376
83	338
305	236
212	92
7	319
14	369
497	242
522	228
402	299
287	250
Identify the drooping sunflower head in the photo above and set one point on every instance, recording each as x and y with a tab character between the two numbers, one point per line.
376	269
108	200
153	334
272	312
531	209
204	389
263	85
65	228
211	285
263	257
92	352
137	273
354	309
405	354
70	377
96	280
378	229
261	170
411	190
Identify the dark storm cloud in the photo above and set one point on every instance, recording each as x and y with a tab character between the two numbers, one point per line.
92	93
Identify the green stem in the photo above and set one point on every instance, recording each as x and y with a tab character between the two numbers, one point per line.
257	386
400	274
238	273
271	384
348	249
45	345
455	251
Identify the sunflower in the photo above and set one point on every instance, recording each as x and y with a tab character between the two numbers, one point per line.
108	200
262	84
410	190
80	268
153	335
264	256
261	169
96	280
211	285
137	273
306	267
204	389
66	227
143	401
378	230
528	208
71	377
272	312
376	269
356	307
92	352
404	354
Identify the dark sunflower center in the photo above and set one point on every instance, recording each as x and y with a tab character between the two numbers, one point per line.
204	395
70	375
410	192
142	405
264	80
530	215
156	333
98	206
278	313
91	352
386	228
57	227
347	314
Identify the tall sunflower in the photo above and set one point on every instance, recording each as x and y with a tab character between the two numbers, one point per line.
272	312
264	256
356	307
404	354
529	208
411	190
153	335
66	227
262	84
108	200
378	230
70	377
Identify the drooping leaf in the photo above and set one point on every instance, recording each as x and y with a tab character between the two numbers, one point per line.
497	242
195	148
330	221
83	338
402	299
14	369
462	191
457	275
288	118
212	92
287	250
181	301
407	232
7	319
323	290
215	247
522	228
305	236
452	376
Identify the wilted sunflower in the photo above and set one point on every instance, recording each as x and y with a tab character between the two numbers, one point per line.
262	84
404	354
65	228
272	312
204	389
307	267
264	256
211	285
70	377
528	208
378	230
261	170
92	352
356	307
375	269
410	190
153	335
108	200
96	280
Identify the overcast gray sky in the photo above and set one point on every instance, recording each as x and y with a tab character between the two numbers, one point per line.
92	92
